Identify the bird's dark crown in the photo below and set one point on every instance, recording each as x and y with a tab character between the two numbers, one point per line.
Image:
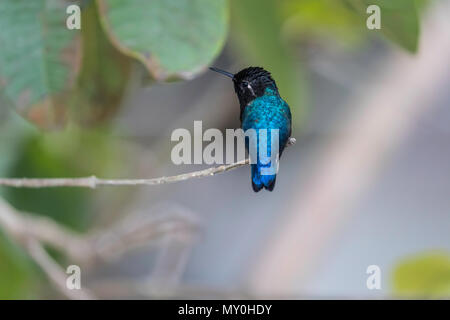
251	83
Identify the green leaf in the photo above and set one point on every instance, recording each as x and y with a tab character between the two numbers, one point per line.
173	38
257	30
425	275
399	20
38	58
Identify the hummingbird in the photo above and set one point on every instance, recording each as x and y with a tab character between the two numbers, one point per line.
261	107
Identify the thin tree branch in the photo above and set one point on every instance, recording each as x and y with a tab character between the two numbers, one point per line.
139	230
93	181
29	235
54	272
25	232
102	245
31	232
22	226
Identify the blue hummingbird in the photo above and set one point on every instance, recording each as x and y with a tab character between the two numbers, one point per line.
261	108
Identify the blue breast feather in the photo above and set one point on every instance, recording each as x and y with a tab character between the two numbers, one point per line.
269	111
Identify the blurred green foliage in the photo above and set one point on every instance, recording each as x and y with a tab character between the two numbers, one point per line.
55	77
104	74
36	68
47	70
171	37
18	276
425	275
272	33
257	30
322	20
73	152
58	75
399	19
16	270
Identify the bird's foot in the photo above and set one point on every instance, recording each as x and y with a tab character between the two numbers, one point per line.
291	141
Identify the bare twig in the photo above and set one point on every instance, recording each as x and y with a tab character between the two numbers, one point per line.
93	181
54	272
25	232
139	230
29	234
103	244
22	226
32	231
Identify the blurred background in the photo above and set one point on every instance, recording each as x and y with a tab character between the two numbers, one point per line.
365	184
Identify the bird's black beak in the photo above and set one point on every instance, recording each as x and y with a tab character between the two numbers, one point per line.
225	73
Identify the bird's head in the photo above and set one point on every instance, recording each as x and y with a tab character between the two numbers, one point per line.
250	83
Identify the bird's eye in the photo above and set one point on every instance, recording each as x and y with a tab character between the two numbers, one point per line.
245	83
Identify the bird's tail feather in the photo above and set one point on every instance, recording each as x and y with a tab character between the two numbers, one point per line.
260	181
